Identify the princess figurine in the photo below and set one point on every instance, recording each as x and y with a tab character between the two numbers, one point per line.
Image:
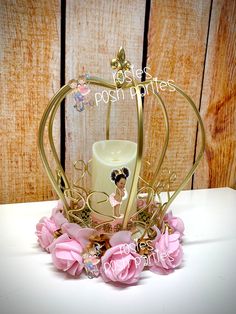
119	176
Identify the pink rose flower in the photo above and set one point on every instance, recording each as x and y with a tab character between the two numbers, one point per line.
175	223
66	255
57	215
121	263
45	232
168	253
77	233
67	249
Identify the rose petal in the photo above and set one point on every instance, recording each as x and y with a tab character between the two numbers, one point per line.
121	237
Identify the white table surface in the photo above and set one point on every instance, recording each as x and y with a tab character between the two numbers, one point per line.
206	283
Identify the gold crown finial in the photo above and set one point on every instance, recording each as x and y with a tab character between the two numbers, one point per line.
120	64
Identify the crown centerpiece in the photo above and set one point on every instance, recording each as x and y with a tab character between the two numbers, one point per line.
120	223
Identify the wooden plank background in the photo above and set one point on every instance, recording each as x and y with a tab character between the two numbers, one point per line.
189	42
176	51
30	75
218	105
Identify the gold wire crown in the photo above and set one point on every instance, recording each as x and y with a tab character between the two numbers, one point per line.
77	199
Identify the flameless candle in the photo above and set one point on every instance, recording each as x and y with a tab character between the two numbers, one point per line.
107	156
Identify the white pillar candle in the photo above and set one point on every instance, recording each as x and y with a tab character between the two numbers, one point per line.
107	156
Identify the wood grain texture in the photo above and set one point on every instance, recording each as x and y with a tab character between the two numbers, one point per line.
218	106
95	30
30	73
176	50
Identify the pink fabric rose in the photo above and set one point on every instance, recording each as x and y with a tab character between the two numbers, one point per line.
57	215
121	263
66	255
175	223
67	249
168	253
77	233
45	232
